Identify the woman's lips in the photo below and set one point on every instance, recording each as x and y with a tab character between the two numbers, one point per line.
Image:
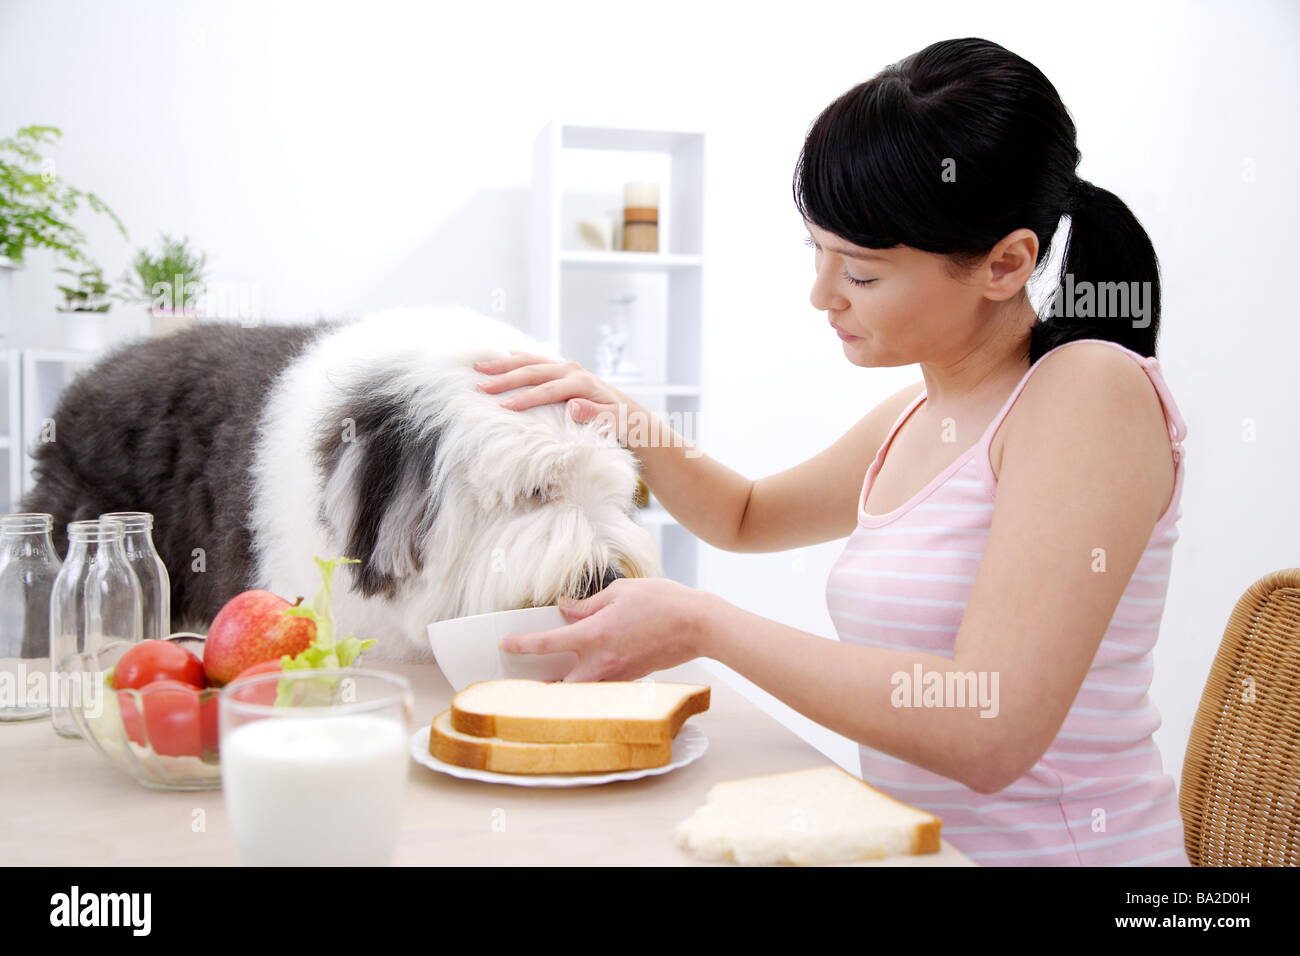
844	335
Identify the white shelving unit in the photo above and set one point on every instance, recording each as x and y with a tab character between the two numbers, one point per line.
33	380
11	442
579	171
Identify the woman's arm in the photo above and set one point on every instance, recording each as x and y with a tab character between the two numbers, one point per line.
705	496
808	504
817	501
1086	466
852	689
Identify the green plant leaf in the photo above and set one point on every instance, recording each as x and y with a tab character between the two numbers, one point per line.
89	295
36	206
325	651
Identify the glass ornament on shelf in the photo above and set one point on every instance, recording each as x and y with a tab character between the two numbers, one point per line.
613	363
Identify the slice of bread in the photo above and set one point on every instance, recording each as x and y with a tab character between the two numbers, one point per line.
632	712
816	816
509	756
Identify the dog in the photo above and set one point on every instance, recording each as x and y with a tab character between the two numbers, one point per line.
257	449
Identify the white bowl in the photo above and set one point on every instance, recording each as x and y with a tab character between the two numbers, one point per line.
468	649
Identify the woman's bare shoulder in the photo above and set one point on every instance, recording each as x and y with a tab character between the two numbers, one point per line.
1098	394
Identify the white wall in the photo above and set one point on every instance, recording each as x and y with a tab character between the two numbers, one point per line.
355	156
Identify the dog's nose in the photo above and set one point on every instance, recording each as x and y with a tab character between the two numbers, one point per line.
611	575
591	585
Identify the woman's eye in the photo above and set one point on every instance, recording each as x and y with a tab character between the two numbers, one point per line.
857	282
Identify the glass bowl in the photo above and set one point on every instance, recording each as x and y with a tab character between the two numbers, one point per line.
170	746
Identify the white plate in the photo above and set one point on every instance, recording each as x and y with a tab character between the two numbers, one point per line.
688	745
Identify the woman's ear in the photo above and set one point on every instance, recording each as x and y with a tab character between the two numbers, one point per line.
1010	264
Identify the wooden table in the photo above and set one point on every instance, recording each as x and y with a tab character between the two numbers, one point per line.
61	803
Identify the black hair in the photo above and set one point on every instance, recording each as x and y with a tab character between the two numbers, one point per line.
953	148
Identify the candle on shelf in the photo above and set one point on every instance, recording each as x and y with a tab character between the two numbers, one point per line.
641	217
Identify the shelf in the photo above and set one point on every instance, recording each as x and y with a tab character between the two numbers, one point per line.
579	172
614	259
36	380
61	356
583	136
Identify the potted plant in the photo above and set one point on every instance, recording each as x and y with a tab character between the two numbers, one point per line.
84	304
170	283
36	209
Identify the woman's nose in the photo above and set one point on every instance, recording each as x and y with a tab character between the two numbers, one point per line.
823	296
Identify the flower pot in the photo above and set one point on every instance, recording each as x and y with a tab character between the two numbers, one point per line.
166	321
85	331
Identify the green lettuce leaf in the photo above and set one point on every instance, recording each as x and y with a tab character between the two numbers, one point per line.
326	651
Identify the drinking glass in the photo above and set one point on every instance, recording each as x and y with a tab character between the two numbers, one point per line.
314	766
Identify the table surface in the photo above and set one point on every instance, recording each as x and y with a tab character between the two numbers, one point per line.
63	804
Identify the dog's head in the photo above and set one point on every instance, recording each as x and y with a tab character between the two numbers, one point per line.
432	485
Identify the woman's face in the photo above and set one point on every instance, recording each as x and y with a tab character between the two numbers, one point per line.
908	306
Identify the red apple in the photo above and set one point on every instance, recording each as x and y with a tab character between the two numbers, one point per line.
250	629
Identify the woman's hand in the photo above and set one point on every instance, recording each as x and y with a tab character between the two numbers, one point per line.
588	397
632	628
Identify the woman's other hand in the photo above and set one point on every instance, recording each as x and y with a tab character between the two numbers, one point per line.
634	627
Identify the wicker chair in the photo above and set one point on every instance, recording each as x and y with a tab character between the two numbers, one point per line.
1240	793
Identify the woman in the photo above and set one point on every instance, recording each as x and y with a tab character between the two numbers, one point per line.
1009	546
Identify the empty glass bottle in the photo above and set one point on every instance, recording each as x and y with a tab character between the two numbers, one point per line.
28	566
155	583
96	599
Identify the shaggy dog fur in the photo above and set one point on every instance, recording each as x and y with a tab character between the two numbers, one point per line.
257	448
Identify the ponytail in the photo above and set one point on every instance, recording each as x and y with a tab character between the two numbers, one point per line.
1110	278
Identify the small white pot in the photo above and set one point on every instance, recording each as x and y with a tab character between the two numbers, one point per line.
85	331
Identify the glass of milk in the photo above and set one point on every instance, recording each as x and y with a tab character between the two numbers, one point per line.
314	766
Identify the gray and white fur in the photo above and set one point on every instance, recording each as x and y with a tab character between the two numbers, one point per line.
257	449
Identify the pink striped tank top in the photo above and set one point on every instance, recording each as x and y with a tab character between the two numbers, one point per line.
903	581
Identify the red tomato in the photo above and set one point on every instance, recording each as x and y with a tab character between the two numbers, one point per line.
266	667
132	722
208	724
261	693
171	718
177	721
151	661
